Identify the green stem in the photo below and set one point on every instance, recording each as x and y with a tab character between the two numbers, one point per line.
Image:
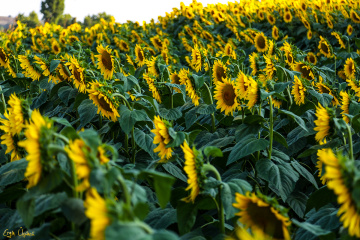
351	152
126	142
123	98
271	130
210	168
212	114
118	64
133	146
126	196
289	94
335	66
2	95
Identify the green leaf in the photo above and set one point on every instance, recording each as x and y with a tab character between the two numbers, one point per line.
221	142
304	172
74	211
12	172
264	94
174	171
199	80
297	202
47	202
205	109
61	121
87	111
297	119
246	147
54	64
281	86
254	119
246	131
161	218
164	235
213	151
186	216
314	229
26	209
320	198
145	141
324	99
227	200
178	138
128	118
170	114
119	230
163	183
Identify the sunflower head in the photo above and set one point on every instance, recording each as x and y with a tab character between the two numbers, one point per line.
305	70
156	41
354	16
150	80
275	32
219	71
55	47
350	68
323	123
298	90
345	103
229	51
162	138
105	61
263	215
4	59
197	59
349	30
261	42
226	96
253	93
271	19
309	34
325	47
77	74
140	56
100	95
287	17
311	58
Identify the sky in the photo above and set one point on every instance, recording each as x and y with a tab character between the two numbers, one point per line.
122	10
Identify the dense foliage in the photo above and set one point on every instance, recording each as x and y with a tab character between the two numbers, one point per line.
236	121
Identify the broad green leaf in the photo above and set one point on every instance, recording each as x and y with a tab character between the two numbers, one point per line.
205	109
186	216
170	114
47	202
145	141
324	99
297	119
320	198
174	171
304	172
161	218
297	202
54	64
87	111
212	151
26	209
12	172
119	230
128	118
314	229
281	86
227	200
246	147
74	211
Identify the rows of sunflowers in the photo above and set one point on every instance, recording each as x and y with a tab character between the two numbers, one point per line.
237	121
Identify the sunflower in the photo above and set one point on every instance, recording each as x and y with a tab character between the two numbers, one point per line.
77	74
289	59
319	164
16	114
193	169
261	216
191	91
349	30
101	156
219	71
345	102
104	103
140	57
97	212
354	16
271	19
162	138
340	177
252	59
298	90
175	79
242	85
311	58
165	55
35	134
124	46
271	47
261	42
270	67
322	88
337	35
252	93
105	62
275	32
150	80
287	17
229	51
243	234
196	60
63	71
350	68
226	96
156	41
208	36
309	34
305	70
8	139
46	69
325	47
77	153
29	70
4	59
55	47
151	64
322	123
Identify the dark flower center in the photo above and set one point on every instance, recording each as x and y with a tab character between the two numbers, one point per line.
104	104
106	60
228	95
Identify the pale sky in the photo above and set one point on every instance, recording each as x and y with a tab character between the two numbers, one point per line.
122	10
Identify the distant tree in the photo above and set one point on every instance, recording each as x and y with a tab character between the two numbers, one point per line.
66	20
94	19
31	21
52	10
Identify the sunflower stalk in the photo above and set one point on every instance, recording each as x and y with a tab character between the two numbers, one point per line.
271	130
351	151
211	102
210	168
2	95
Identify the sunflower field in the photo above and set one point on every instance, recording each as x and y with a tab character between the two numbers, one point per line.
237	121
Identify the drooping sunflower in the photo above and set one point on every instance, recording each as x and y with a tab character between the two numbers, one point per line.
175	79
289	58
105	62
340	177
354	16
345	102
193	169
4	59
34	133
8	139
97	212
354	85
46	70
263	216
124	46
191	91
349	30
253	59
261	42
298	90
271	19
28	69
140	56
275	32
287	17
151	64
78	156
309	34
325	48
305	70
270	67
322	88
156	41
241	233
105	105
242	85
252	93
55	47
62	72
17	119
311	58
77	74
350	68
322	123
229	51
162	138
341	42
219	71
196	60
150	80
226	96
